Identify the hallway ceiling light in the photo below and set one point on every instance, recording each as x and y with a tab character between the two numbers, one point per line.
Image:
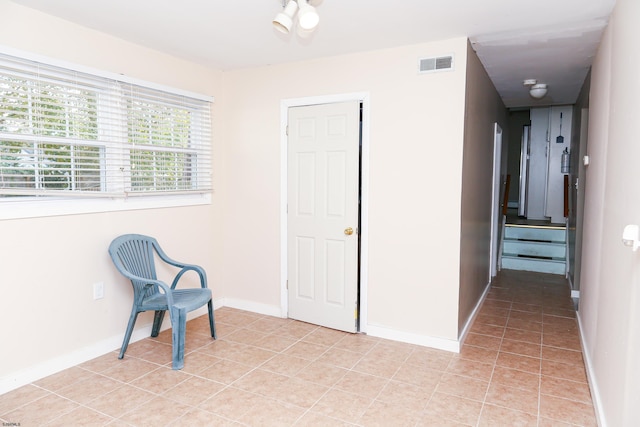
308	18
536	90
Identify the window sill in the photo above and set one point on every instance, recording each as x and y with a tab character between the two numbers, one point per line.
56	207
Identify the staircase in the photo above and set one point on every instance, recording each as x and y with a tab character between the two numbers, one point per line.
534	248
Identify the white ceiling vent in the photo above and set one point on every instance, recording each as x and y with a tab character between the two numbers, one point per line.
438	63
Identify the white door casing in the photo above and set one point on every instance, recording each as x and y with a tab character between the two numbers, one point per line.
495	200
322	213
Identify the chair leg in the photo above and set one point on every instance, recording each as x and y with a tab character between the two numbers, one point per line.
157	323
127	334
212	322
178	329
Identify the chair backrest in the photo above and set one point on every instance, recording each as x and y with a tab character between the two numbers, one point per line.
133	255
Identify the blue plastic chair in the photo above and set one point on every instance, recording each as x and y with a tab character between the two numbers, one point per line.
133	256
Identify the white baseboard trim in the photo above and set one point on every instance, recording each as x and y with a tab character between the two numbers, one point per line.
23	377
254	307
474	314
592	380
28	375
410	338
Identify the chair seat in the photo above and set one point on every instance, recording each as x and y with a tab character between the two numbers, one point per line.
188	299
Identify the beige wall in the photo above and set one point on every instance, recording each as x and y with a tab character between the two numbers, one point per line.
414	209
483	108
415	170
609	311
49	264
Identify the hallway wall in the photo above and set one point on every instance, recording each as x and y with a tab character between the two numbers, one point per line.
483	108
609	310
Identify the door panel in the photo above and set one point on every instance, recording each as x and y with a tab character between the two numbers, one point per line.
538	165
323	190
524	171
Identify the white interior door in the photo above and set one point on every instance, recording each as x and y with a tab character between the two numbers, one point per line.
322	214
524	171
538	164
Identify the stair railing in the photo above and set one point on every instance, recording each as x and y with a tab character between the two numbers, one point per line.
505	198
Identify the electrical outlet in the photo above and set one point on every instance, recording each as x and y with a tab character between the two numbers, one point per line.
98	290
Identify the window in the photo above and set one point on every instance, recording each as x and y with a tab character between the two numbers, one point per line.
71	133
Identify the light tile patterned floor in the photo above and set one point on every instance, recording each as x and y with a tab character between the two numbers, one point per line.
521	365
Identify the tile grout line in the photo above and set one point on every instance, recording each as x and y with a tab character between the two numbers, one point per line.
495	362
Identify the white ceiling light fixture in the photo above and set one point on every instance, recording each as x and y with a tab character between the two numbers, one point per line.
308	18
284	20
536	90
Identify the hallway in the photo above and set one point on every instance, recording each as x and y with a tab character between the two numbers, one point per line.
521	365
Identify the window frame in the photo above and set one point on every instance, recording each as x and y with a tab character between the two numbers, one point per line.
68	204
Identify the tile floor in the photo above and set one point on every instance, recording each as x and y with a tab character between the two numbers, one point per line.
521	365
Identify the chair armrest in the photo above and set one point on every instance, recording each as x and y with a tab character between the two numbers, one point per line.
184	268
191	267
164	257
166	290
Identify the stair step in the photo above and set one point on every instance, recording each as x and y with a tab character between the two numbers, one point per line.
515	262
545	234
534	248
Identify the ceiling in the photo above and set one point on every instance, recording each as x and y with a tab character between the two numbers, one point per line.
552	41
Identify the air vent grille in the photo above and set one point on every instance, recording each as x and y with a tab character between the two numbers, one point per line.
439	63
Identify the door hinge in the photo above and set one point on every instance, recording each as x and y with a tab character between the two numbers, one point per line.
286	131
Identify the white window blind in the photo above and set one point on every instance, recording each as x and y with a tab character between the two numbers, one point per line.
72	133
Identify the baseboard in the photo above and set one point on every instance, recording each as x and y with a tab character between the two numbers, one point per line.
254	307
373	330
465	330
28	375
23	377
592	380
410	338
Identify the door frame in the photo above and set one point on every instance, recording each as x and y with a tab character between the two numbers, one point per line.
495	201
285	104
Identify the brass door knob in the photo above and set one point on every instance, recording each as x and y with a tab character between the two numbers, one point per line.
348	231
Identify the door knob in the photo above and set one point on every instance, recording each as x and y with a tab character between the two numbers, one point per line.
348	231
